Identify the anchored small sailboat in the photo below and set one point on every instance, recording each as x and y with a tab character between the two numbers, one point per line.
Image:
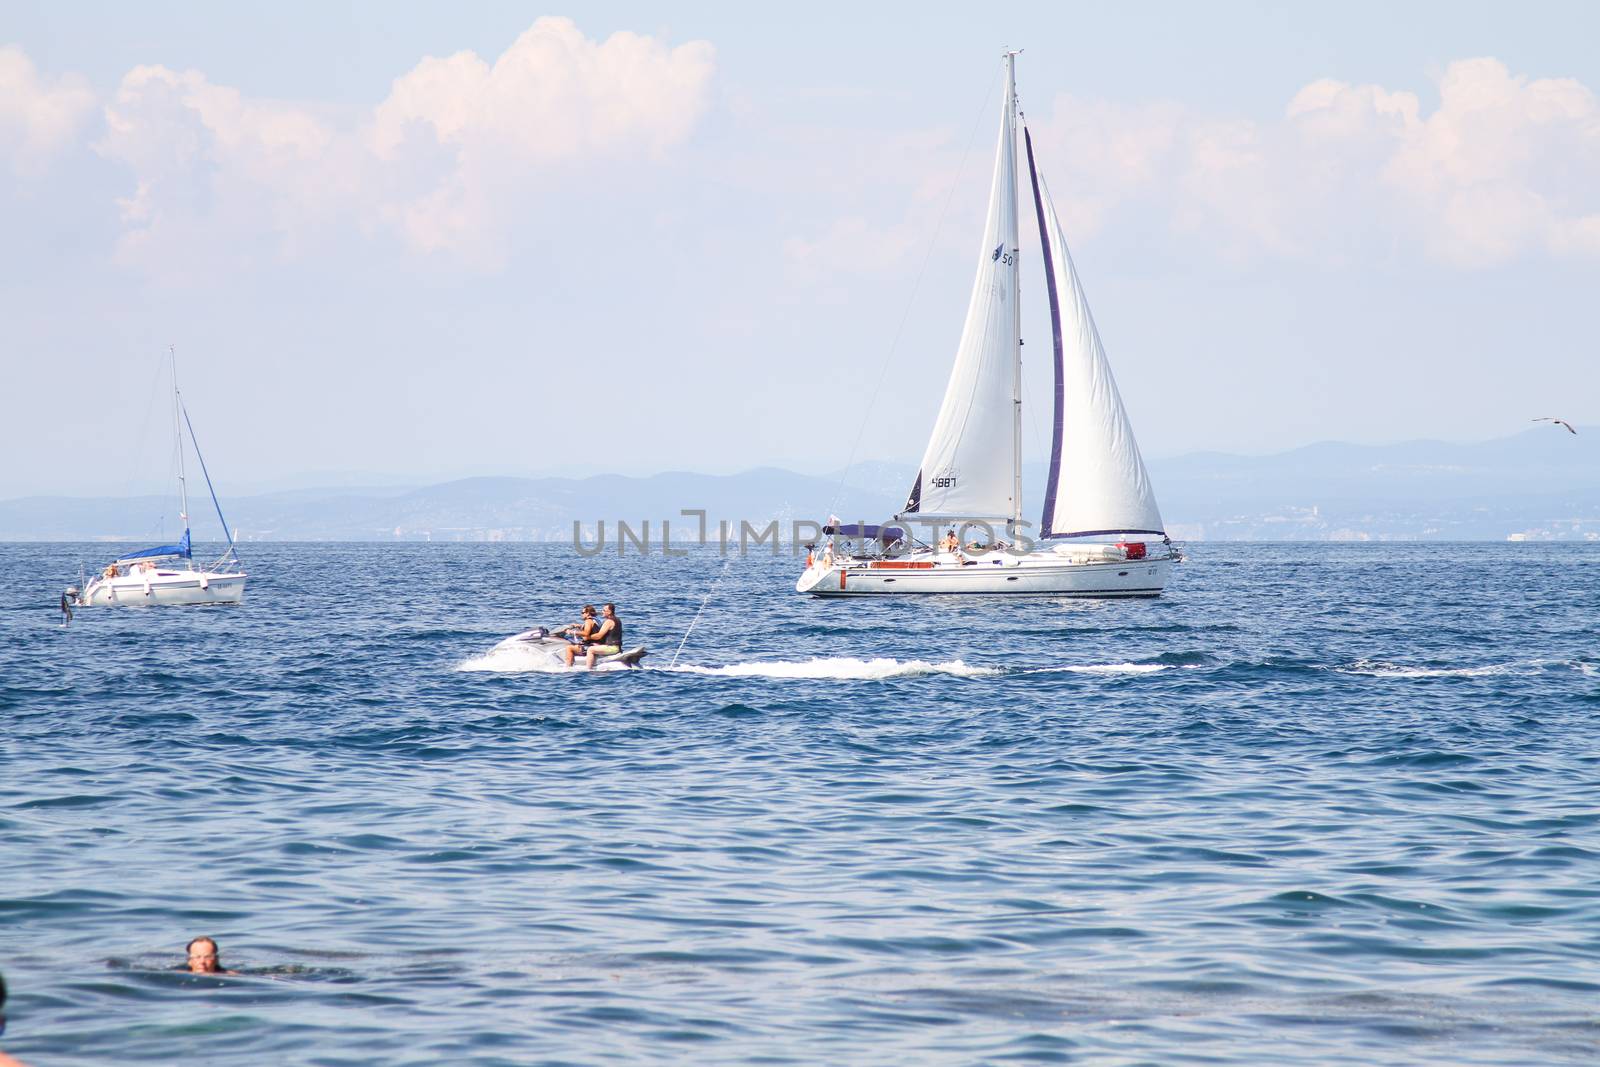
1101	532
167	574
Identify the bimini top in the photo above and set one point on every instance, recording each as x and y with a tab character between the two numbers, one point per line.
181	549
887	534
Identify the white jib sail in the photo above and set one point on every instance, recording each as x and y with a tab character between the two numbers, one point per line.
1097	482
968	466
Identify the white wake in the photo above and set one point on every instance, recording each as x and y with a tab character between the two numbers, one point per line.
1105	668
525	659
512	661
1379	669
841	668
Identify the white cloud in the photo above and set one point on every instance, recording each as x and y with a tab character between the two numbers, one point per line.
553	98
465	149
37	118
446	162
1503	166
210	164
554	94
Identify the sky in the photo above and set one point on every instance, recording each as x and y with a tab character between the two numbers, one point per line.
410	242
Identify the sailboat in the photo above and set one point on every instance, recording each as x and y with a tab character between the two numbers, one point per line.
168	574
1100	534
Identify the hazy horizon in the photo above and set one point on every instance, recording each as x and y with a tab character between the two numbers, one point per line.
1542	484
356	479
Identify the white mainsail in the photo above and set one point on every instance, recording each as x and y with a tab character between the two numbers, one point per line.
969	467
1097	482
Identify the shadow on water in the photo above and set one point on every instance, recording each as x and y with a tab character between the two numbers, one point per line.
166	975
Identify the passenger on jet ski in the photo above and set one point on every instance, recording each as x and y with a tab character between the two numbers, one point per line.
605	641
580	633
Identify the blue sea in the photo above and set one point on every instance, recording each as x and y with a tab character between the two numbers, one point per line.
1319	804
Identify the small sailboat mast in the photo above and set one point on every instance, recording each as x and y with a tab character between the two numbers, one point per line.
177	439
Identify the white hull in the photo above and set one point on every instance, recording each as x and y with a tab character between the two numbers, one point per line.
538	650
1041	574
165	588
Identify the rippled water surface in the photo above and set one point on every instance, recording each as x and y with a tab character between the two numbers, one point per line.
1318	804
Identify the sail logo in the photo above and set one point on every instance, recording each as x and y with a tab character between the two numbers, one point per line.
1002	256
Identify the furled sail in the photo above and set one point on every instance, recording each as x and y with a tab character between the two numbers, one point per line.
1097	483
968	468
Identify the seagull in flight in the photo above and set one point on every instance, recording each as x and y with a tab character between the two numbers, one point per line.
1558	422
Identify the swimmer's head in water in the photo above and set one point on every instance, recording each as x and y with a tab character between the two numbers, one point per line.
204	956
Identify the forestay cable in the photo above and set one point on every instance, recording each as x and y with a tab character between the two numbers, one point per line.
226	532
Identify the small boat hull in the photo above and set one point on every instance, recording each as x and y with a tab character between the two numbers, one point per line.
539	650
1044	575
165	588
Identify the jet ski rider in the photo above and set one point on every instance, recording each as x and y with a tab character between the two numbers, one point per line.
606	640
583	632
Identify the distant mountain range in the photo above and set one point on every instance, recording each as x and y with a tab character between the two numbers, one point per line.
468	509
1543	484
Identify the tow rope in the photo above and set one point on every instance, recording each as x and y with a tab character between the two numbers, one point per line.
703	602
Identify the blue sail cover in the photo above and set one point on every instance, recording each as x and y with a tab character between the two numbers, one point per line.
886	534
162	552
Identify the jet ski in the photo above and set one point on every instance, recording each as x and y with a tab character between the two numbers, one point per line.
546	649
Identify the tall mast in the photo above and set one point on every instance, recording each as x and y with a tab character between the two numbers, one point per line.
177	426
1016	302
